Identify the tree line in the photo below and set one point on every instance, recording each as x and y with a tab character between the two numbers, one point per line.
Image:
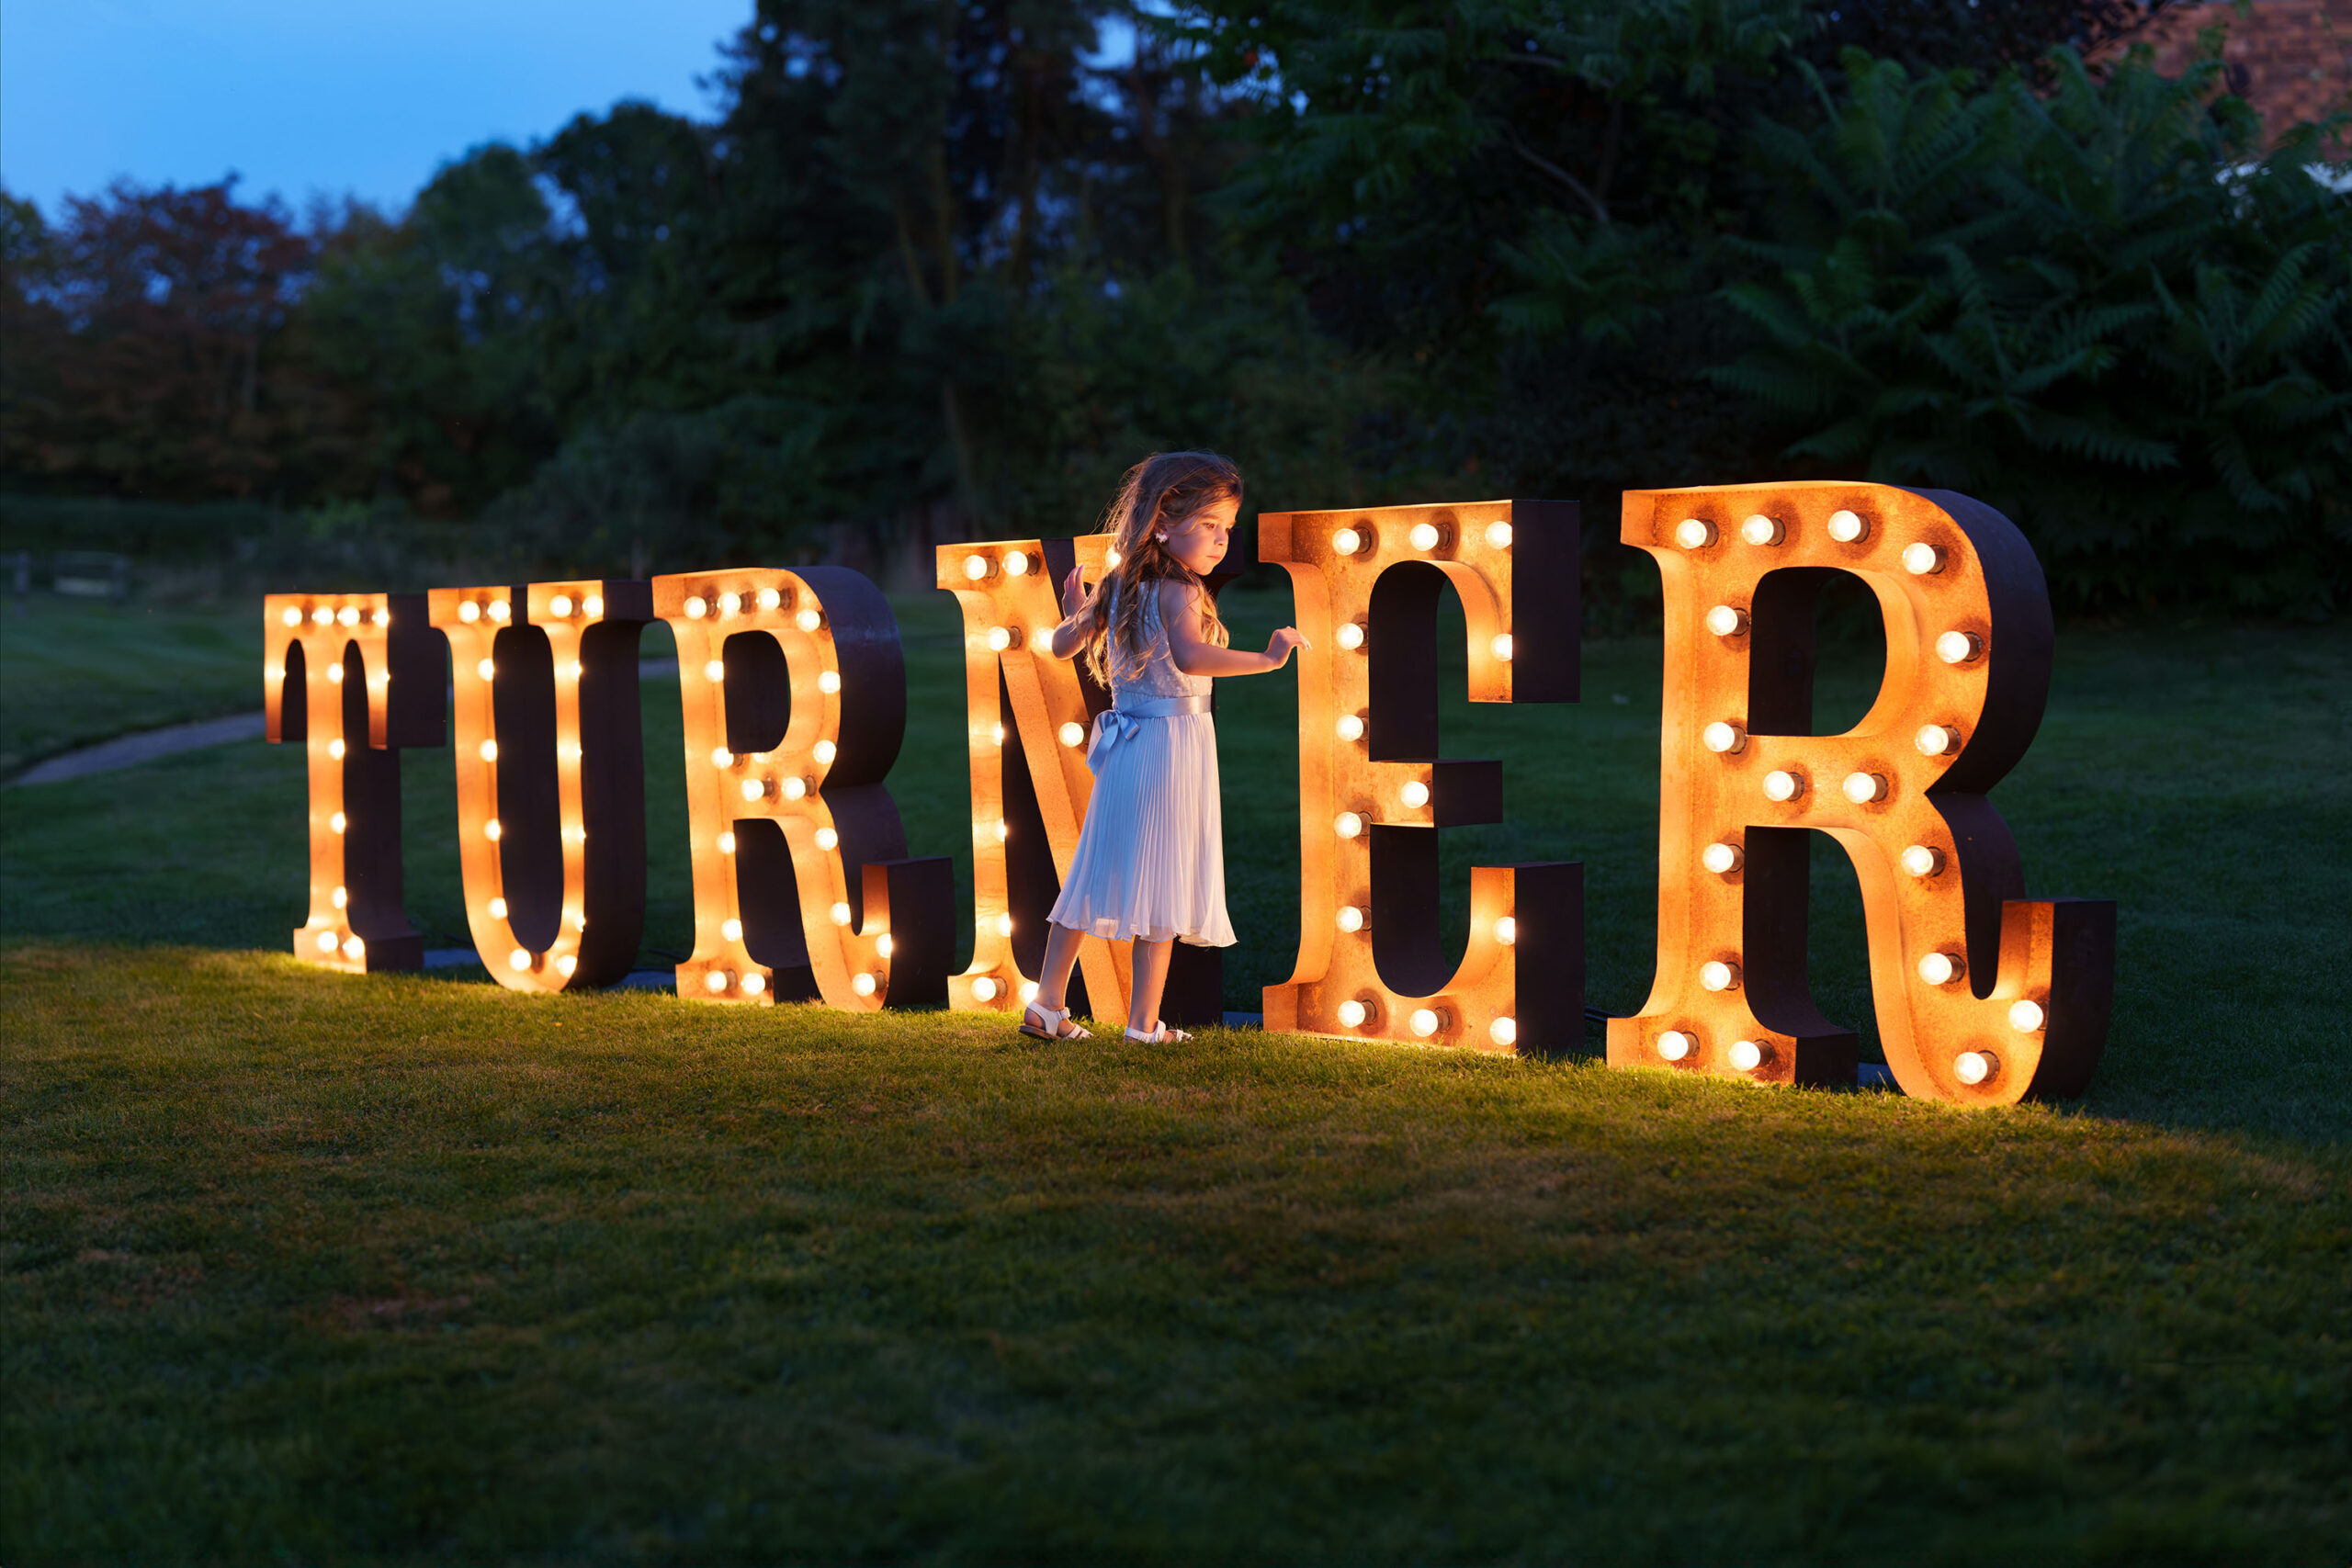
945	267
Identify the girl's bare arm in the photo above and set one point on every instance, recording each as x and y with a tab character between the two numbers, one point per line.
1180	612
1069	637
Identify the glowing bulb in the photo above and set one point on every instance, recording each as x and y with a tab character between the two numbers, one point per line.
884	945
809	620
984	990
592	606
1846	527
696	607
1073	734
827	840
1351	918
824	752
323	615
1414	793
828	682
1957	648
1717	976
731	930
292	616
714	980
1110	560
354	949
840	914
1936	740
861	984
1864	788
1761	530
1940	968
1349	825
715	671
1425	535
338	822
1352	1014
497	907
997	735
727	843
755	788
1744	1056
380	617
488	749
1694	533
720	757
1501	648
1721	737
491	830
566	965
1002	829
1721	859
336	749
1350	726
1780	784
500	610
579	921
1499	534
2026	1016
519	960
487	669
1922	560
1503	1032
1427	1021
1352	636
1017	564
348	615
730	604
794	788
770	598
1674	1044
1028	990
976	567
560	604
335	672
469	612
1347	542
1003	924
999	638
327	941
1724	620
754	983
339	898
1973	1067
1921	860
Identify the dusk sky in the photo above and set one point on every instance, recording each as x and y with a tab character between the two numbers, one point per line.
304	97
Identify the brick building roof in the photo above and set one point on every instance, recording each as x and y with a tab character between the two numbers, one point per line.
2291	59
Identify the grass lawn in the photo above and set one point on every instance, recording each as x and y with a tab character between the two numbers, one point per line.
72	672
306	1266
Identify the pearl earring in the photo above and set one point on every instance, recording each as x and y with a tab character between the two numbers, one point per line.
1161	537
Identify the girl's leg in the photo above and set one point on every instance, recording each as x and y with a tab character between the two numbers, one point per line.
1149	978
1061	957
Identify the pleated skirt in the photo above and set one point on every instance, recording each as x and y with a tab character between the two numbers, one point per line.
1150	857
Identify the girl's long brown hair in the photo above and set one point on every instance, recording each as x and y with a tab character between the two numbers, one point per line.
1161	494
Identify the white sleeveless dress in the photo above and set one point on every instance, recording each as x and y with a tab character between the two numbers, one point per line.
1150	858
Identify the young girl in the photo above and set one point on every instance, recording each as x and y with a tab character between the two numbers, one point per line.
1150	859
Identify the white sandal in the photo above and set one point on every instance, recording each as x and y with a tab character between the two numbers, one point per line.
1053	1024
1160	1035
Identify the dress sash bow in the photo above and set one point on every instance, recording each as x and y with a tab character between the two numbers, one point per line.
1122	723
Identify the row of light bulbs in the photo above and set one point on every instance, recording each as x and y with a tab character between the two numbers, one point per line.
1362	1012
1916	860
1953	647
1425	538
326	615
731	604
1847	527
1971	1068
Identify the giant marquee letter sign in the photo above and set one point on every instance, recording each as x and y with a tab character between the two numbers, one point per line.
795	695
1983	997
550	777
1026	718
363	674
1372	791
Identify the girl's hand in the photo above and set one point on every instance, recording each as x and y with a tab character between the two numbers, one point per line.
1073	594
1278	646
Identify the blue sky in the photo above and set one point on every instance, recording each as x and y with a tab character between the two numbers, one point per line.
304	97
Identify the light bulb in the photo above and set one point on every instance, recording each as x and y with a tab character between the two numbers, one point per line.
1499	534
592	606
491	830
720	757
795	787
380	617
500	610
1028	990
1503	1032
755	788
354	949
340	897
1351	918
519	960
1350	726
884	945
1414	793
348	615
1973	1067
1073	734
1017	564
1846	527
809	620
1717	976
487	669
1761	530
335	672
1352	1014
1674	1044
2026	1016
976	567
827	840
1863	788
1936	740
996	735
696	607
731	930
1507	931
828	682
1723	737
569	962
338	822
1694	533
1349	825
715	669
1501	648
1921	860
323	615
560	604
730	604
999	638
336	749
984	990
769	598
1922	560
1002	829
714	980
1003	925
291	617
1782	785
1725	620
1425	535
497	907
840	914
488	749
579	920
1957	648
1347	541
327	943
1427	1021
1351	636
1110	560
754	983
1744	1056
824	752
1940	968
861	984
1721	859
727	843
